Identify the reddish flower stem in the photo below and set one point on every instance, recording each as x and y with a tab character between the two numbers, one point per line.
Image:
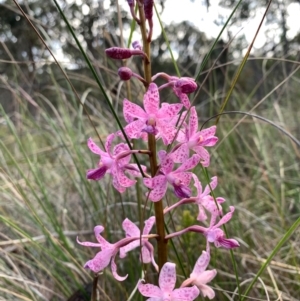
158	206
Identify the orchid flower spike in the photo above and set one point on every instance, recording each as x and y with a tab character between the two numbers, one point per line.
200	277
189	138
131	230
179	178
166	291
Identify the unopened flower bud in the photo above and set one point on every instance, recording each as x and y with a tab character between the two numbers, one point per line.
186	85
118	53
148	9
125	73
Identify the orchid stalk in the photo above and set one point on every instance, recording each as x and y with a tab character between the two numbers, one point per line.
171	123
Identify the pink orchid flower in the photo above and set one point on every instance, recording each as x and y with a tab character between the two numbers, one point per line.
131	230
191	139
107	254
153	120
114	162
165	291
200	277
213	233
205	201
179	178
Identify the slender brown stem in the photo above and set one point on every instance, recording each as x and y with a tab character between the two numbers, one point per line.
158	206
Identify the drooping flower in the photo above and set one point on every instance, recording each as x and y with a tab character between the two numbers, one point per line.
132	230
204	200
179	178
213	233
152	120
189	138
114	162
166	291
200	277
107	254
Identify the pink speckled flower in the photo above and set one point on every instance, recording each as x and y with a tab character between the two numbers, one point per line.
189	138
153	120
166	291
107	254
132	230
179	178
204	200
114	162
200	276
213	233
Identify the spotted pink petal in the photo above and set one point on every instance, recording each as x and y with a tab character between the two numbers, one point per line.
184	99
151	99
95	148
148	225
201	264
227	217
166	162
88	244
209	132
117	185
166	130
189	164
168	111
158	185
100	261
122	179
134	129
210	141
129	247
184	177
145	255
130	228
193	122
150	290
131	110
198	185
102	241
203	154
108	143
167	277
213	184
181	154
185	293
